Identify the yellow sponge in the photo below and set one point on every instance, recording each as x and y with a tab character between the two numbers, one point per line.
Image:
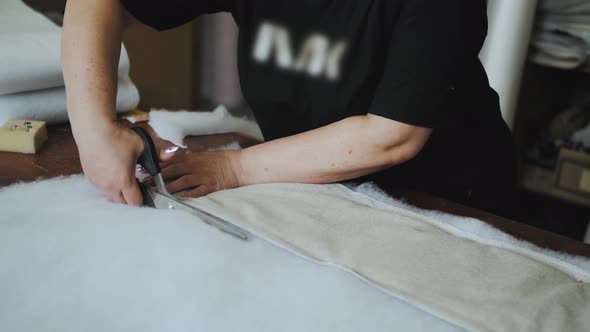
23	136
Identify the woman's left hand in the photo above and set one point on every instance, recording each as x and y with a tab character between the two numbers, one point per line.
203	172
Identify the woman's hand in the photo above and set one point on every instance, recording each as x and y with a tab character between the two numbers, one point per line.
204	172
91	48
108	158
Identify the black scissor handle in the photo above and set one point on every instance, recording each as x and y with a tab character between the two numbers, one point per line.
149	161
149	158
148	200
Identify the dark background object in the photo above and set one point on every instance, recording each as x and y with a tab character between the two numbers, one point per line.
545	93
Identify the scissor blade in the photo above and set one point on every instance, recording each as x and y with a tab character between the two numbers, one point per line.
171	203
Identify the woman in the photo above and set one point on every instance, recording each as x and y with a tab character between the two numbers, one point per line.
384	90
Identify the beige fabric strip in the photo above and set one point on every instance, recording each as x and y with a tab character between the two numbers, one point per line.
475	284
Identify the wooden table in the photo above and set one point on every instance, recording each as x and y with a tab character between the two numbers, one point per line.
60	157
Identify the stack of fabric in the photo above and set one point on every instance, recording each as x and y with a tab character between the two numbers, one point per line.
31	81
569	129
562	34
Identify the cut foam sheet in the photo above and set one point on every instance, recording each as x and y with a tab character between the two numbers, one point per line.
50	105
76	262
175	126
30	50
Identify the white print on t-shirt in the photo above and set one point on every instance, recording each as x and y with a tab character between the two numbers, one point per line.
317	55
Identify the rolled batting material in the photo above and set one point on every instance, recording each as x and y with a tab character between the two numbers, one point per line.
31	61
504	53
18	17
30	50
50	104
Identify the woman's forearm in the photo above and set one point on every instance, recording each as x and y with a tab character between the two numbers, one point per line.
91	48
345	150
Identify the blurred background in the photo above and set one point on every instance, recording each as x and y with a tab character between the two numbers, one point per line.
536	55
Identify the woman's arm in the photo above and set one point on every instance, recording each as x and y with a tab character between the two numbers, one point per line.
345	150
91	48
341	151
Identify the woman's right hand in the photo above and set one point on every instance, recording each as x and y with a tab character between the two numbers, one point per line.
91	47
109	157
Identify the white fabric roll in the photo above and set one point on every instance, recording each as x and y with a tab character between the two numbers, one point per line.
562	37
30	50
32	62
505	50
18	17
50	104
559	50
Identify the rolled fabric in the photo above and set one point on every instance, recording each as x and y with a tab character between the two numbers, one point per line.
562	36
558	50
30	50
18	17
565	6
50	104
504	53
32	62
577	24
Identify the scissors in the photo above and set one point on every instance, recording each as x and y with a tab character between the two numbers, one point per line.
158	197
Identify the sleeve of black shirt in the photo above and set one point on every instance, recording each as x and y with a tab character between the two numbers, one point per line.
429	49
168	14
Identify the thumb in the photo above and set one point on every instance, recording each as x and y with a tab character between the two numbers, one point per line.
132	194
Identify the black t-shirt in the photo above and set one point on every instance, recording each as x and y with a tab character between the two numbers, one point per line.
308	63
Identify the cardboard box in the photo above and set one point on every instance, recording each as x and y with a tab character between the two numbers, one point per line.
570	181
163	66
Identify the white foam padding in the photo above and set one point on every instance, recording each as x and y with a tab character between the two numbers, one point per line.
71	261
175	126
50	105
30	50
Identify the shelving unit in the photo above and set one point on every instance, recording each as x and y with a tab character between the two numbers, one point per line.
545	92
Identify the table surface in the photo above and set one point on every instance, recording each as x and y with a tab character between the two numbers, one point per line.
60	157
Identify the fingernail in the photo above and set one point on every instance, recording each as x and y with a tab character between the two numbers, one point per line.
171	149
